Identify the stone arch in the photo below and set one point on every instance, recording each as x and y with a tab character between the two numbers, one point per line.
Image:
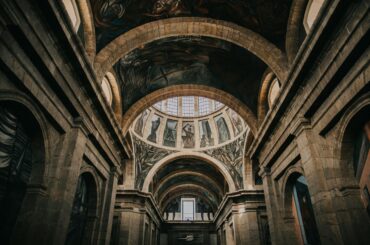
192	26
87	20
26	190
346	127
177	188
295	28
189	90
196	155
116	94
287	188
88	231
185	192
186	172
43	144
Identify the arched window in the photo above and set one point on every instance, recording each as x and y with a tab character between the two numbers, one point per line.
361	162
107	90
312	10
15	169
81	223
303	212
273	92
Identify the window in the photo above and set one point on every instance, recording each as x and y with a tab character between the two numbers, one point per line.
188	103
188	106
187	208
313	9
303	212
172	106
204	106
273	92
73	13
107	90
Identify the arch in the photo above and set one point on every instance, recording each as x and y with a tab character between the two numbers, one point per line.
191	26
116	95
84	215
189	90
39	167
184	192
196	155
183	186
345	137
286	188
295	28
87	20
186	172
26	135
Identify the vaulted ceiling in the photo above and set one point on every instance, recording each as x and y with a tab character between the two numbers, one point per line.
235	65
115	17
189	176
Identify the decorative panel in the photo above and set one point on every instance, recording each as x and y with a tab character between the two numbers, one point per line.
169	137
187	135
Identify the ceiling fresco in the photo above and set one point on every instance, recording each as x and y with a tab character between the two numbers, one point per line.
190	60
191	179
216	184
115	17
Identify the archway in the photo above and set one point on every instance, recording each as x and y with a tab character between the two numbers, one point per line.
195	155
192	26
82	220
22	156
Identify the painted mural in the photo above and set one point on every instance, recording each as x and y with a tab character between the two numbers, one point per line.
156	122
205	133
141	121
231	155
187	135
222	129
189	60
170	133
145	157
115	17
236	121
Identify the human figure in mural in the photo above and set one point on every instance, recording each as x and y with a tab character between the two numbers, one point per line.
238	124
172	207
206	139
140	123
188	138
153	133
169	8
203	141
223	131
169	138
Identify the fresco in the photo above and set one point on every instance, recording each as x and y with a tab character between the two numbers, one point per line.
191	179
189	60
194	165
222	129
145	157
115	17
236	121
156	122
170	133
141	121
205	133
231	155
187	135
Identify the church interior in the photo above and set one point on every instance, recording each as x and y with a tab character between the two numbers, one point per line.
174	122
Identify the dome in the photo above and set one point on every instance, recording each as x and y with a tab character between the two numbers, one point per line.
188	122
